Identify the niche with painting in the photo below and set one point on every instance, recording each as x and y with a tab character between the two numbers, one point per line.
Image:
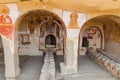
92	37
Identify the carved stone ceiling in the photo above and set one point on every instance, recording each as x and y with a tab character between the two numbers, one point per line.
86	5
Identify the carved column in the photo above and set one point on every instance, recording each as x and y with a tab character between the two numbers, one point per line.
70	61
12	69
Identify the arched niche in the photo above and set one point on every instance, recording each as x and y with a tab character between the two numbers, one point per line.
91	37
28	28
50	41
40	18
109	27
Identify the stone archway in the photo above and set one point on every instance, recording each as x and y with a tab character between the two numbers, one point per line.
50	41
30	28
92	37
109	28
42	17
108	25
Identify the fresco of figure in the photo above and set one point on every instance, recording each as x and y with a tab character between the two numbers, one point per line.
6	25
73	20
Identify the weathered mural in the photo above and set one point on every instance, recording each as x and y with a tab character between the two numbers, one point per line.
92	37
73	23
6	26
73	20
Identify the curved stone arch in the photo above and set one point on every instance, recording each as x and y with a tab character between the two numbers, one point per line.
52	36
54	22
47	21
19	19
64	30
99	25
42	23
84	27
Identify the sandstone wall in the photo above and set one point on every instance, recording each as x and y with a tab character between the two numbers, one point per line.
112	39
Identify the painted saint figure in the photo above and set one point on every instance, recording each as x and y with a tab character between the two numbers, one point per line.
6	25
73	20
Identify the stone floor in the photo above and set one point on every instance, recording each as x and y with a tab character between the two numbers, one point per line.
2	71
30	68
87	69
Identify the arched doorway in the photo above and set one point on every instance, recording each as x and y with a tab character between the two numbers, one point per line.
34	31
50	41
108	26
107	39
34	26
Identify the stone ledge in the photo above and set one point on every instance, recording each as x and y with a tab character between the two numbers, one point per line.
48	69
106	62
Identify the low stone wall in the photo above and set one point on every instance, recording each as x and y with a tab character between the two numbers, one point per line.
48	69
106	62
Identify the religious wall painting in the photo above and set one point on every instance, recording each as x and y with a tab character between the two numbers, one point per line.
92	33
31	25
6	25
73	23
50	27
92	37
73	20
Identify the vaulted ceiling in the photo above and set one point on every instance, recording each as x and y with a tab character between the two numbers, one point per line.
86	5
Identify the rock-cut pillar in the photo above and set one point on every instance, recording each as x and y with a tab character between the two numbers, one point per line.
12	69
70	60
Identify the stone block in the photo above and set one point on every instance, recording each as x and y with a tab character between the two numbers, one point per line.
10	78
67	69
59	52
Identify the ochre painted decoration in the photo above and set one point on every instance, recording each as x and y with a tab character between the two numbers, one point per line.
73	20
4	10
6	26
91	33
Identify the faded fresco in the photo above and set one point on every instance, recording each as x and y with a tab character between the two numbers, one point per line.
73	23
92	38
73	20
6	26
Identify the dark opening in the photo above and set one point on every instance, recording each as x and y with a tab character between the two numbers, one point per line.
50	41
85	42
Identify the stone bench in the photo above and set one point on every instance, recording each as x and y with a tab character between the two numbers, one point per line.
106	62
48	69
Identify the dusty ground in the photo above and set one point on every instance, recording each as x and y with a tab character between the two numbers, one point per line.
87	69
